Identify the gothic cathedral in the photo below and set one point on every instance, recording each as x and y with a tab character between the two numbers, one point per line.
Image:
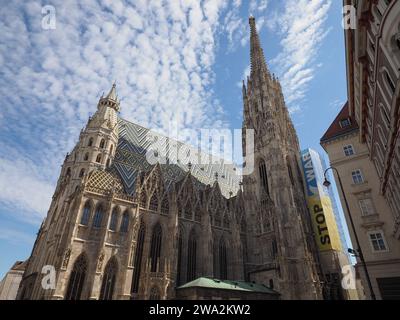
119	227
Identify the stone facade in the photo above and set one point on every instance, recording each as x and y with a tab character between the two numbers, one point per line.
121	228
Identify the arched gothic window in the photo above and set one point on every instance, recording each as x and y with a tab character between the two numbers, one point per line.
98	217
165	205
217	219
188	211
154	202
68	174
263	176
154	294
226	221
98	159
90	143
143	199
81	173
179	263
125	222
114	219
138	258
86	158
223	266
197	215
290	172
109	278
102	143
192	257
77	279
155	249
86	214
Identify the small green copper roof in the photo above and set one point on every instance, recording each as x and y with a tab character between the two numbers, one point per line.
228	285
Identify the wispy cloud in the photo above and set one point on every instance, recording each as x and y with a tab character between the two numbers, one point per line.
15	237
302	28
160	52
236	25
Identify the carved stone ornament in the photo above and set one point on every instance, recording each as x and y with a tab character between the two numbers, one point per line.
67	255
100	262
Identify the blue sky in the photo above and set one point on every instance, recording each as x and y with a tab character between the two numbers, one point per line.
169	58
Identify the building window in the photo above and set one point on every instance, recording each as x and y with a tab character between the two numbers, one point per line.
81	173
109	277
86	158
223	265
192	252
179	265
114	220
98	159
154	202
125	222
366	207
111	149
138	258
165	205
345	123
348	150
377	241
77	279
102	143
86	214
263	176
155	248
390	82
188	212
357	177
90	143
290	172
98	217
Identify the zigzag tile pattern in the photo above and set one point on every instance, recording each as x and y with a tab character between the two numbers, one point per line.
135	142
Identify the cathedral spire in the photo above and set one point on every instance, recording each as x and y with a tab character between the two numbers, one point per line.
112	95
111	99
258	64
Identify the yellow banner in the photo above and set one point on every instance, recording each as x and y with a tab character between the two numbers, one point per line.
324	223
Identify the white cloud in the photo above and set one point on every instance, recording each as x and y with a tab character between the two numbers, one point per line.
160	53
302	29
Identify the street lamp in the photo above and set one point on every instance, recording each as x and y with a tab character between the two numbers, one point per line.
358	250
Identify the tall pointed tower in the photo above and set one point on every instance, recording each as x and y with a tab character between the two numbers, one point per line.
281	251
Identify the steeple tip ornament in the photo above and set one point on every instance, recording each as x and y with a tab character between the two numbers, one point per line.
112	95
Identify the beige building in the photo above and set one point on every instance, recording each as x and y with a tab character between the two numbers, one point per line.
11	281
371	214
120	227
373	69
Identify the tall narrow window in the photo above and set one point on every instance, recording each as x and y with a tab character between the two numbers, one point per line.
138	259
90	143
366	206
109	278
263	176
188	212
165	205
223	266
98	217
125	222
390	82
192	252
102	143
81	173
86	214
155	249
114	220
357	176
98	159
86	158
179	264
77	279
154	202
290	172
